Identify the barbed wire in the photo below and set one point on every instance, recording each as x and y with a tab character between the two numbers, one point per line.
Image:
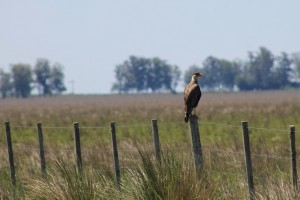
269	129
131	170
149	125
224	152
220	124
123	168
257	177
270	156
226	173
95	127
129	151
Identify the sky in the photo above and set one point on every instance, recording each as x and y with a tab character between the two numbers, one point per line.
90	37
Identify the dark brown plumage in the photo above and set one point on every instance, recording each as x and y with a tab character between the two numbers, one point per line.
192	95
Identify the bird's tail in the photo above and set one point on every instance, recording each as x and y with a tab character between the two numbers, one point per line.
186	117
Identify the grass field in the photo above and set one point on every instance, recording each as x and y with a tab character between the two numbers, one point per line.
269	115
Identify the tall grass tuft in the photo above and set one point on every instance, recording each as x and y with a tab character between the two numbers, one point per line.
278	189
172	178
65	181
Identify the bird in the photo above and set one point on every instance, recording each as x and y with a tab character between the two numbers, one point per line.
192	95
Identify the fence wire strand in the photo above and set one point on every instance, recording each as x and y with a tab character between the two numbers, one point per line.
128	152
159	124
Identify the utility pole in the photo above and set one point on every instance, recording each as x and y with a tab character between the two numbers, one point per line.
72	82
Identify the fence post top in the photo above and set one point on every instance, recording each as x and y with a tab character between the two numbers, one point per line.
193	117
76	125
244	123
39	124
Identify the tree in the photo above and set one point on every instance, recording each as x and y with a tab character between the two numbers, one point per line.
229	71
218	73
175	77
246	80
5	83
154	71
212	72
126	75
189	72
282	73
143	74
257	72
57	79
121	72
296	61
162	76
42	72
22	79
261	67
139	69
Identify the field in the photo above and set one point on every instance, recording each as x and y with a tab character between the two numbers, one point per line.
269	115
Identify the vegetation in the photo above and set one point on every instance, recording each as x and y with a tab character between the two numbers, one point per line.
22	79
147	180
269	114
142	74
262	71
5	83
49	80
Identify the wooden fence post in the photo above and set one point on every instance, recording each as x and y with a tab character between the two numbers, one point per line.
77	146
156	139
248	159
196	144
115	153
42	149
293	155
10	154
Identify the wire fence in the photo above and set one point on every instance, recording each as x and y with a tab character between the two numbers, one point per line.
207	149
149	125
284	131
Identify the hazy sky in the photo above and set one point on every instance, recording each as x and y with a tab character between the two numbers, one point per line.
90	37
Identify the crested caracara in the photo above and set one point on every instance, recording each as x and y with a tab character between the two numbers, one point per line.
192	95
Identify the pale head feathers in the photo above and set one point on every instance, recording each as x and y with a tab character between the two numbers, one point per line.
196	76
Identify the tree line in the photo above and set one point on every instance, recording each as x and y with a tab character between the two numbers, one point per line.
140	74
22	79
262	70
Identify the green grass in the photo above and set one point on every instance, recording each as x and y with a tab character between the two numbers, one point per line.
269	115
148	179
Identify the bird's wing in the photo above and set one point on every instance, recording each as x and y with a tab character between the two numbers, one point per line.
192	94
187	90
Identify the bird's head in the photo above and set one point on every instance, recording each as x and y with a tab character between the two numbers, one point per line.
196	76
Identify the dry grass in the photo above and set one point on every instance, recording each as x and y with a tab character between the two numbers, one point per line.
220	116
100	110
